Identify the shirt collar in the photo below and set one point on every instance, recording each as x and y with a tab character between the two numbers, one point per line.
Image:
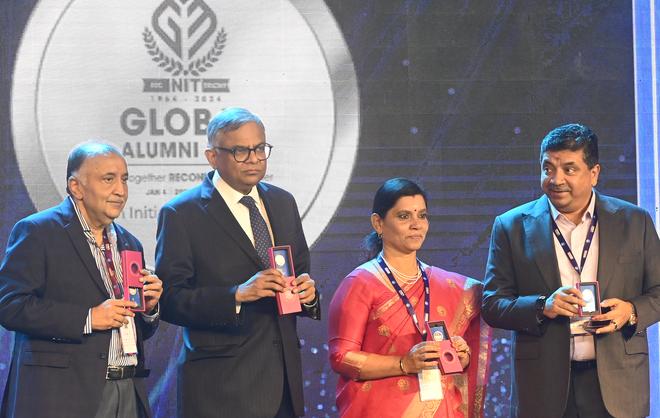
110	229
587	214
229	193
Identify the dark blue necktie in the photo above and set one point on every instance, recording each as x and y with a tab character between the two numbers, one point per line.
262	241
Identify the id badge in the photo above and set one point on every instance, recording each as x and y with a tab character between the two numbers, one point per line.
430	384
128	337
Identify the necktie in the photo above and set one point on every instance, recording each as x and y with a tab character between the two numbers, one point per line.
262	239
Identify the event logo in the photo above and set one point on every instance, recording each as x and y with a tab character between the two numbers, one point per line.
168	20
148	76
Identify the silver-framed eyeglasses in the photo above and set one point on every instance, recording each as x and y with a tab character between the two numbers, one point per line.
242	154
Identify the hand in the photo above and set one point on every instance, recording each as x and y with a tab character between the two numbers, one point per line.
462	349
562	302
263	284
424	355
153	288
112	313
619	315
305	287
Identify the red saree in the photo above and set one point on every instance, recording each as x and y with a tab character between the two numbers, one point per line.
367	316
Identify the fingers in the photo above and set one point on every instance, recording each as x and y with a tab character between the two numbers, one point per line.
303	278
272	284
570	295
120	304
120	319
459	344
613	326
265	283
272	272
619	315
153	289
612	302
561	307
422	359
112	313
305	288
563	302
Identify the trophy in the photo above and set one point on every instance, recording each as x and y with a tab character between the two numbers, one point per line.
281	260
448	361
131	264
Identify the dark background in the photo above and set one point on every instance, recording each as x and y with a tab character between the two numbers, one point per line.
455	95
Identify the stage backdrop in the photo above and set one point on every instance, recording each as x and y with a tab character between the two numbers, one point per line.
453	94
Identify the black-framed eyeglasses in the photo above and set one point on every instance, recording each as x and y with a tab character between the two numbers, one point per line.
242	154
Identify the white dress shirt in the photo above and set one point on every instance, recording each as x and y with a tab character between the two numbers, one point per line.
232	198
582	346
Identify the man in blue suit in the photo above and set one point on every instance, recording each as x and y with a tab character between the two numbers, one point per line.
78	347
540	252
240	358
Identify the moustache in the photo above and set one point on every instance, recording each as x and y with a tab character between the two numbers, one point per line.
558	189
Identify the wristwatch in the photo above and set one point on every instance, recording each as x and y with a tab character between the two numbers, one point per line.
633	316
540	306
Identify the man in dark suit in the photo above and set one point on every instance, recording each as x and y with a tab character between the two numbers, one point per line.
539	253
240	358
78	346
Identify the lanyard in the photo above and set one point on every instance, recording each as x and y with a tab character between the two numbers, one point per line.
107	255
404	298
585	248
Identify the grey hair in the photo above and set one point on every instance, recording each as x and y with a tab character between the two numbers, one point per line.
85	150
229	120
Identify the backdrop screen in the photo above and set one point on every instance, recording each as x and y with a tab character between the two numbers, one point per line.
455	95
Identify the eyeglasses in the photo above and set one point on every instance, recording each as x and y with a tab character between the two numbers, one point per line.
242	154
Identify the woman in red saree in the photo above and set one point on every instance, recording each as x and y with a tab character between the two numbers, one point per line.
373	335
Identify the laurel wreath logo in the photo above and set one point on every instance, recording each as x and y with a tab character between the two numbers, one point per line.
175	66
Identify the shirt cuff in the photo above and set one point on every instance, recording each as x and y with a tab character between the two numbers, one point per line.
149	318
88	323
314	302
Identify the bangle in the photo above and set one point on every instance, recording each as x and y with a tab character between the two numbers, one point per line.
401	366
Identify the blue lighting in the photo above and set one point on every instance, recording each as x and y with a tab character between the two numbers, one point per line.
645	38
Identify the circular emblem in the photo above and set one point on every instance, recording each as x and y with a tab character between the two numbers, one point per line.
279	260
148	76
588	296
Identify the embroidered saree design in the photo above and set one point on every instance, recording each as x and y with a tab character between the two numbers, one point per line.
366	317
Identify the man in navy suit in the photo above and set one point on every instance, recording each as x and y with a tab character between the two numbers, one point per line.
78	347
240	358
540	252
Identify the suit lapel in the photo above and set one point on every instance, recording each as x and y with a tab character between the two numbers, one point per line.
77	236
218	210
610	229
539	241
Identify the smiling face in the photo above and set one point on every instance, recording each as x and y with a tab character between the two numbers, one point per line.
567	180
404	226
240	176
100	189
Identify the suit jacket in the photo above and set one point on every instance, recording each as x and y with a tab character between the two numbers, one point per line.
48	282
522	265
231	365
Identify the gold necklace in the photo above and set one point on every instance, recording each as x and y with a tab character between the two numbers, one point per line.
405	278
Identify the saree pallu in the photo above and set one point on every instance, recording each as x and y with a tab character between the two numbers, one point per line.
367	316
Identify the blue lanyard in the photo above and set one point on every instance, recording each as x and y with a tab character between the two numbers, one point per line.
585	248
404	298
